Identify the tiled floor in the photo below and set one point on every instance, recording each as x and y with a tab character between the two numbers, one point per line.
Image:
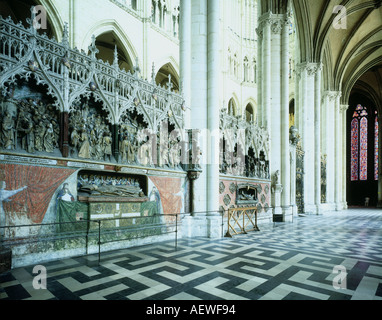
292	261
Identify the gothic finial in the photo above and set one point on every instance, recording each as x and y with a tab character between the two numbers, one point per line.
33	22
153	74
65	35
169	84
115	62
92	48
137	70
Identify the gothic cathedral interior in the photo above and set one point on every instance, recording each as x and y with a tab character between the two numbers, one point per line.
125	122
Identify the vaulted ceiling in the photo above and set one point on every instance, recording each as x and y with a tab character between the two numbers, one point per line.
346	39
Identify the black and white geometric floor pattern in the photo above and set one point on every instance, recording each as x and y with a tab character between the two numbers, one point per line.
333	256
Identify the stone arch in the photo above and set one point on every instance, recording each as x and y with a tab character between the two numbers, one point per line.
111	26
168	67
54	18
20	10
233	106
251	107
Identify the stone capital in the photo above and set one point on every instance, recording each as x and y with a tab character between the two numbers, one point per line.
344	107
310	67
276	22
331	95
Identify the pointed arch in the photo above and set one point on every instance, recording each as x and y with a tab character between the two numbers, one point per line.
111	26
166	67
233	106
54	17
250	109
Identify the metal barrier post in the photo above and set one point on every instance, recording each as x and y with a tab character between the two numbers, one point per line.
222	213
99	241
243	213
176	232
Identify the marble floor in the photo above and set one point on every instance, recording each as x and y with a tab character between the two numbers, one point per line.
337	256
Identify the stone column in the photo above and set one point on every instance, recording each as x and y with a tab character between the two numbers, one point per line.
157	13
261	110
185	57
199	96
317	137
344	109
146	58
213	103
306	104
285	150
338	154
264	31
293	140
213	120
275	115
328	145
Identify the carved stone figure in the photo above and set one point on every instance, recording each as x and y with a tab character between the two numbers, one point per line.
174	154
29	138
8	132
276	177
124	148
48	138
85	145
132	151
75	140
39	136
25	129
107	142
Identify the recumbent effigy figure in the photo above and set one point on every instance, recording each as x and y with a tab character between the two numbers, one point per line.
95	186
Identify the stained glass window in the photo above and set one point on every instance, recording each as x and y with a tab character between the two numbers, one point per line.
359	144
363	149
354	150
376	150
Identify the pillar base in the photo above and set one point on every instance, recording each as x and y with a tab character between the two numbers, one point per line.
339	206
310	209
294	210
214	227
288	214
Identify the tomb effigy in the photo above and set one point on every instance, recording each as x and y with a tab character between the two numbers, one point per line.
115	197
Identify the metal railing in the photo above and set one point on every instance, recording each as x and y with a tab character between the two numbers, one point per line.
28	239
92	232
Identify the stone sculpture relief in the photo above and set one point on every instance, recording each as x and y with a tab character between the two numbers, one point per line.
30	125
90	136
243	148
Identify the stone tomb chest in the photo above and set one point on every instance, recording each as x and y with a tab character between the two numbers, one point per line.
119	200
